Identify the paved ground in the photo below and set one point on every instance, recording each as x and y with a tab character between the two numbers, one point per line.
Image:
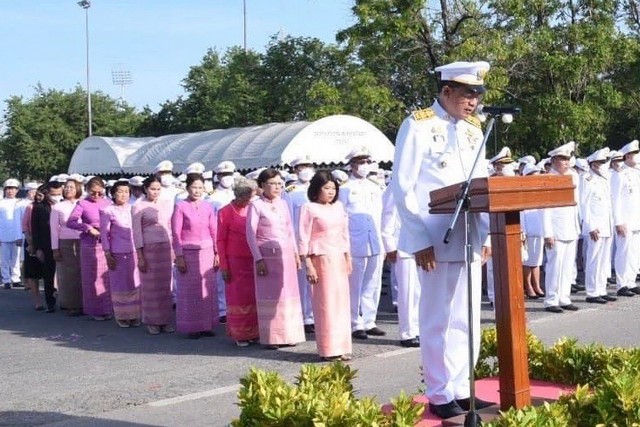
61	371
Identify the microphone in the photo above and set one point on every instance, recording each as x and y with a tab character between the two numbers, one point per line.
497	111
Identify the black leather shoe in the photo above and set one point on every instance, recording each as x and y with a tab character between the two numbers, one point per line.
580	287
609	298
569	307
359	334
376	332
446	410
553	309
595	300
17	285
635	290
223	320
309	329
465	404
625	292
413	342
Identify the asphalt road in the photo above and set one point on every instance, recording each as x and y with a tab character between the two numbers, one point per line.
62	371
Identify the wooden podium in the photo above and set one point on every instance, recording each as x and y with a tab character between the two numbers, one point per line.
503	198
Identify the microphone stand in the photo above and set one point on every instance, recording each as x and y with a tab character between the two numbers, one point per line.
472	418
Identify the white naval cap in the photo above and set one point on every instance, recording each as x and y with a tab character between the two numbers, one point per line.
31	186
182	177
582	164
207	175
528	160
301	160
254	174
54	178
504	156
599	155
530	169
631	147
11	182
290	177
163	166
358	152
615	155
111	182
196	167
565	150
87	178
76	177
542	163
339	175
468	73
136	181
225	167
63	177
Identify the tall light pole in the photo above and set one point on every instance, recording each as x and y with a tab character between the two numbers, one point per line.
86	4
244	26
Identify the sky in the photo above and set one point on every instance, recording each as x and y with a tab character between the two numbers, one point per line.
156	41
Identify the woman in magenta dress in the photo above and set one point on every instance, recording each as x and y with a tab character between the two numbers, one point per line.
193	227
272	243
117	242
151	237
85	217
324	244
236	265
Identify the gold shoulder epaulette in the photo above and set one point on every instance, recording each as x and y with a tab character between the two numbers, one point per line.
290	188
425	113
473	120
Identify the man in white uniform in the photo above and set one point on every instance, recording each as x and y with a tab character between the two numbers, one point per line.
164	172
136	183
296	196
362	200
625	199
597	226
10	234
436	147
561	231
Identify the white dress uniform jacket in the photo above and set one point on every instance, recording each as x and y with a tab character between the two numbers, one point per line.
362	200
10	220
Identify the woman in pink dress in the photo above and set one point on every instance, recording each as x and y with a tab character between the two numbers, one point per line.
65	243
117	242
324	244
236	265
151	237
85	217
193	227
272	243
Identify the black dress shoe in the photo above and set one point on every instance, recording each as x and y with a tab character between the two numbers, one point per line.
7	285
413	342
223	320
609	298
569	307
595	300
17	285
359	334
574	289
376	332
51	309
553	309
580	287
625	292
635	290
465	404
309	329
446	410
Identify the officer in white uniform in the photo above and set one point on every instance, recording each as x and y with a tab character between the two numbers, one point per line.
523	161
296	195
403	267
10	234
561	232
437	147
362	200
597	226
625	199
164	172
136	182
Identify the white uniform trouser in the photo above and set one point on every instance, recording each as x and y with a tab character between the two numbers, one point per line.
393	284
10	262
627	259
406	273
559	270
222	298
444	329
491	289
365	282
597	265
305	296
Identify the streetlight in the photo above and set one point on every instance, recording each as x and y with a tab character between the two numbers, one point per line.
86	4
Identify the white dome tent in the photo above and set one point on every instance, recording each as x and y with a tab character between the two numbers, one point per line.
326	141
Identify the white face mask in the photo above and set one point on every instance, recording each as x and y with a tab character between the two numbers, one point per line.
306	174
508	170
166	180
363	170
603	169
56	199
226	181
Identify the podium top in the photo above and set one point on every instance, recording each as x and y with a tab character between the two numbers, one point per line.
508	194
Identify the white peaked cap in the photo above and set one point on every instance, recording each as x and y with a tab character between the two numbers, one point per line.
63	177
530	168
358	152
468	73
111	182
207	175
582	164
136	181
225	167
541	164
11	182
76	177
339	175
254	174
182	178
31	186
527	159
630	147
163	166
599	155
504	156
565	150
615	155
196	167
54	178
301	160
